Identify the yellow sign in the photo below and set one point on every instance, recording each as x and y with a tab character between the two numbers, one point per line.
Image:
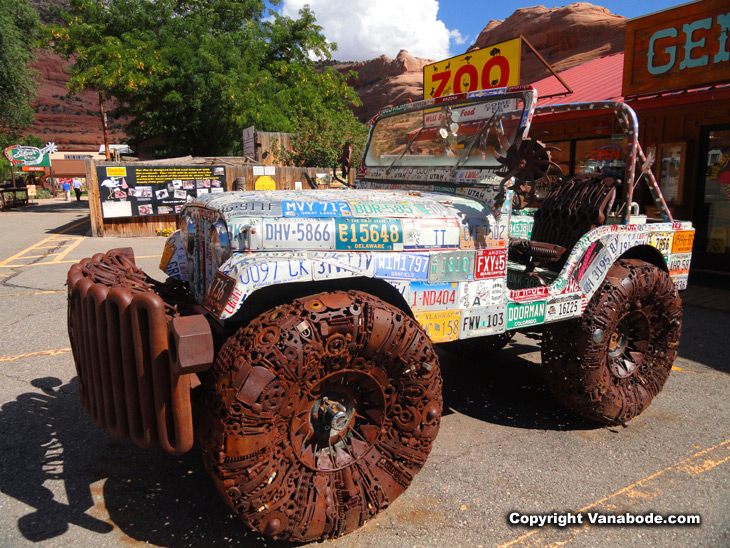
495	66
265	183
31	190
116	172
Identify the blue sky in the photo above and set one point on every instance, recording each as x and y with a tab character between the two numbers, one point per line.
471	16
433	29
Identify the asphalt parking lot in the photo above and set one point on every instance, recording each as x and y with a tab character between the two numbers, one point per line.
505	447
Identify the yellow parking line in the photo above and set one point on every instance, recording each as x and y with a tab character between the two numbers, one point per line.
58	258
46	263
31	293
37	245
40	353
645	489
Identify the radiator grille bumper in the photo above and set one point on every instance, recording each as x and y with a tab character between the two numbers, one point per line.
119	337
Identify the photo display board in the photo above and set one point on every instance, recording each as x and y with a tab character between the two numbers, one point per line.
128	191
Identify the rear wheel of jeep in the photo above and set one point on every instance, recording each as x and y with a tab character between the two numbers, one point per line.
320	413
609	364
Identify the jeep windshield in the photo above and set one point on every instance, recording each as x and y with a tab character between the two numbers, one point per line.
470	131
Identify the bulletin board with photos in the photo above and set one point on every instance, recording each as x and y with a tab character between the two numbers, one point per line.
127	191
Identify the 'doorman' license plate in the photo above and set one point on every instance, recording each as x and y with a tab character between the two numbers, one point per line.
219	293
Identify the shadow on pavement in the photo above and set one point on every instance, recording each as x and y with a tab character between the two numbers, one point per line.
149	495
39	434
505	389
704	337
53	205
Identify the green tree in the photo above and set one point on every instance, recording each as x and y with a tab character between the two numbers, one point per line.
19	27
199	72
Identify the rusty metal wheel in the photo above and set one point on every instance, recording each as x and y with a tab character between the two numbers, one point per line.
609	364
477	348
319	414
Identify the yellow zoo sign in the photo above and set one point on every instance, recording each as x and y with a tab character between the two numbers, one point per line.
495	66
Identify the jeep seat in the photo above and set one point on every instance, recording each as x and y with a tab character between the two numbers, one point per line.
573	207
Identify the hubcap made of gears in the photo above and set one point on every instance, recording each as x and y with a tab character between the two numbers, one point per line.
627	345
338	420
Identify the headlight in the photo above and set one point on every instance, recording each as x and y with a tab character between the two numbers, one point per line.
219	243
187	231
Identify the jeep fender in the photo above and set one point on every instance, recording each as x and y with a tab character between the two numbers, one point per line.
254	272
600	248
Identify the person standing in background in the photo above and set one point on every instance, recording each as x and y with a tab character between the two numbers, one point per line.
77	188
66	190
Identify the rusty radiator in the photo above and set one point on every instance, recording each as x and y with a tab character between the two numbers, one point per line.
118	327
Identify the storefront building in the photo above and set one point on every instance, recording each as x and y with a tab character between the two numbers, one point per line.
675	73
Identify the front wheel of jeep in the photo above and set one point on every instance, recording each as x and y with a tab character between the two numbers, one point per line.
609	364
319	414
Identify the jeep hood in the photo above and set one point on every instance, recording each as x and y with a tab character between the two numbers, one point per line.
342	204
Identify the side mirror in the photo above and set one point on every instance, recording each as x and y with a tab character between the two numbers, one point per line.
345	162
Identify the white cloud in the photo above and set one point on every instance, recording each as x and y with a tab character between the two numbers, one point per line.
365	29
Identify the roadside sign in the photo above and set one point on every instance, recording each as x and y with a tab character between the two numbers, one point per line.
494	66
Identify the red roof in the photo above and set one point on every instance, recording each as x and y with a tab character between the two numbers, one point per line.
596	80
601	80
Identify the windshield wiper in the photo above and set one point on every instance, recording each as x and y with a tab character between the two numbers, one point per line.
467	151
408	147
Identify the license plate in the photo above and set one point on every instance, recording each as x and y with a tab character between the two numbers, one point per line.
401	266
315	209
662	241
296	234
481	293
219	292
477	322
369	235
491	263
451	266
682	242
431	233
523	315
440	326
428	296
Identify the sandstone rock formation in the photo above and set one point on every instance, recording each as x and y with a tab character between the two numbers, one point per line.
72	122
565	37
384	81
